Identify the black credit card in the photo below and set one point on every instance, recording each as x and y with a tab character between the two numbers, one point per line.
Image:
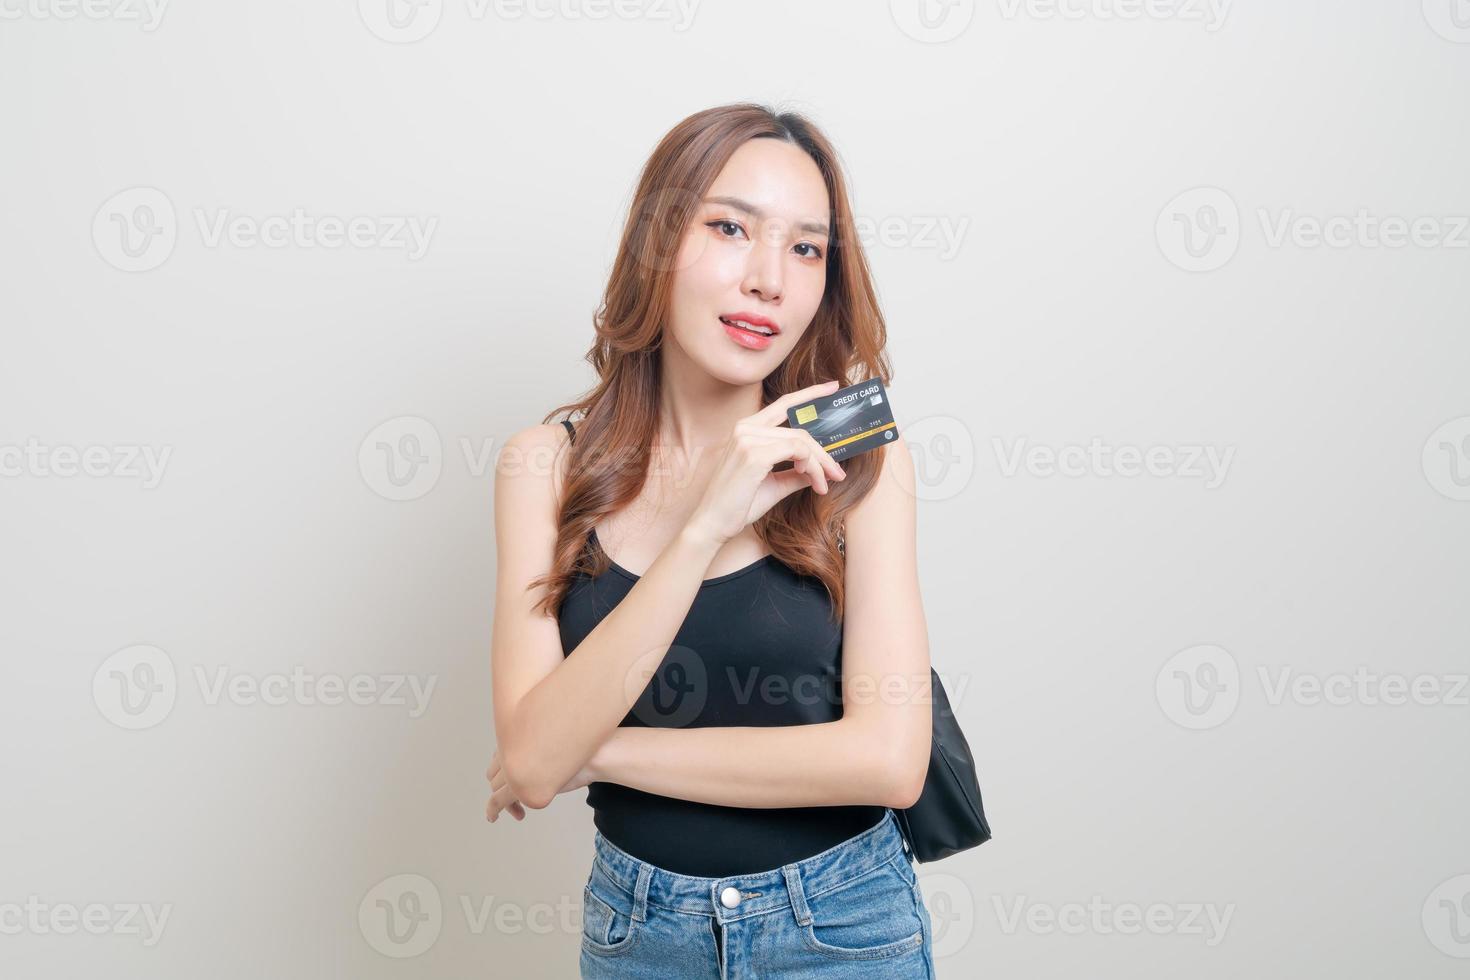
848	422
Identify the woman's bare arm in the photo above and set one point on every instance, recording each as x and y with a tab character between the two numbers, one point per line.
878	752
552	713
833	763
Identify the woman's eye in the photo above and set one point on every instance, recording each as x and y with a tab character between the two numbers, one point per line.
722	224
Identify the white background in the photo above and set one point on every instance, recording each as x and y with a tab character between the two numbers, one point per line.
1053	144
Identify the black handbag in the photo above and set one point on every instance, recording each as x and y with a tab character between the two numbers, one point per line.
949	815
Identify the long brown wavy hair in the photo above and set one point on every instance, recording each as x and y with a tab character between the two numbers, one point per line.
846	340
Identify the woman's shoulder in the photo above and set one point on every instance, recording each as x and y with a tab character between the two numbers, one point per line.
534	455
539	436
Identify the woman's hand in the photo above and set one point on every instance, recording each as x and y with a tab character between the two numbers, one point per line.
744	486
502	797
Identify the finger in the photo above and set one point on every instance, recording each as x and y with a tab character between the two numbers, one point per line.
799	446
517	811
499	800
814	466
830	465
788	482
804	454
775	413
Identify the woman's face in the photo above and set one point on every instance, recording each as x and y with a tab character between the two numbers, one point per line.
755	250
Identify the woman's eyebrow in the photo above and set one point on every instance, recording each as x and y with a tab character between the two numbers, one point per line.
815	227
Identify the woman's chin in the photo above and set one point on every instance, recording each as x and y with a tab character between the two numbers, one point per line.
735	368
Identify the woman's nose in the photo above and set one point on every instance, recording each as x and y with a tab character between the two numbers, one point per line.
763	273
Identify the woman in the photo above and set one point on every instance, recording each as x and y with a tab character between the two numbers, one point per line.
746	709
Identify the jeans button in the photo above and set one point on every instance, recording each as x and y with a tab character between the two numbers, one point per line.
730	897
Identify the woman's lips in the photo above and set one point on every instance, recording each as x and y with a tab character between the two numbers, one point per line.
748	339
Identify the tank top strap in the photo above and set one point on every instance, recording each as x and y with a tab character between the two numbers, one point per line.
571	432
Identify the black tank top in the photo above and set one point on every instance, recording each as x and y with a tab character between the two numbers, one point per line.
757	648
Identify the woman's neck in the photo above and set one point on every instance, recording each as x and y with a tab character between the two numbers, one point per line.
697	411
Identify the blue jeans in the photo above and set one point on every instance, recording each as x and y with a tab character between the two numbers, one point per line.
854	910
